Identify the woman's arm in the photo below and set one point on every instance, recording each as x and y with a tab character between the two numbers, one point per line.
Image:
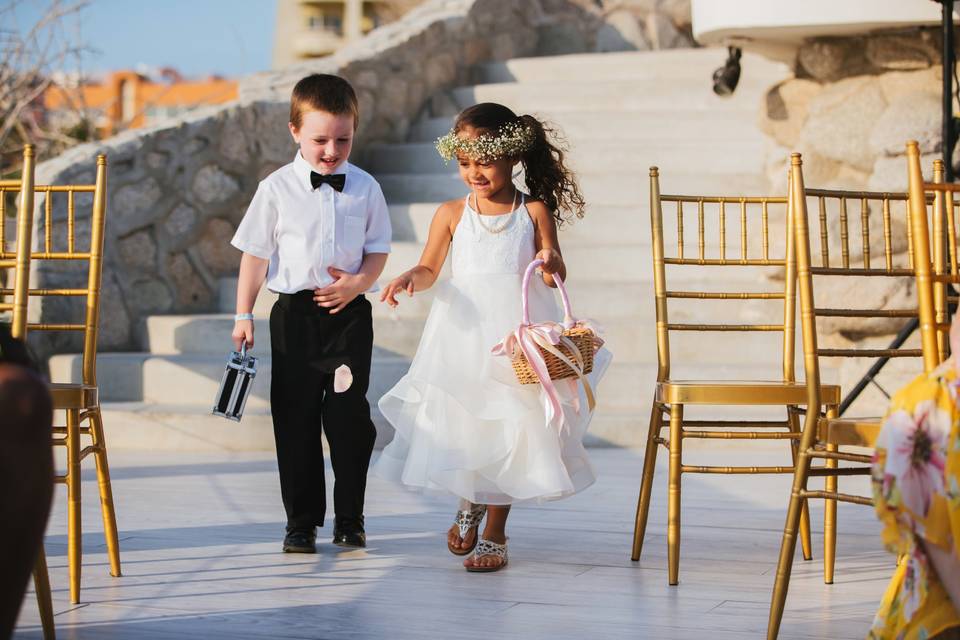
947	566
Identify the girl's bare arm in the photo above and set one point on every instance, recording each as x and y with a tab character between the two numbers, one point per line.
548	246
425	273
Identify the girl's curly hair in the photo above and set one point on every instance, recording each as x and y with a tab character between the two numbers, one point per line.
546	175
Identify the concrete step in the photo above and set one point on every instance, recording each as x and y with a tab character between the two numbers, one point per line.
195	332
207	333
641	125
630	279
169	427
587	266
600	263
607	224
734	156
617	225
547	97
630	338
634	339
193	379
147	426
599	189
679	65
620	263
144	426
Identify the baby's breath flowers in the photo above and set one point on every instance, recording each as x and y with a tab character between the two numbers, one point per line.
512	140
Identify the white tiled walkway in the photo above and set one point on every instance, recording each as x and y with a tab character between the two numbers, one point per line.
200	540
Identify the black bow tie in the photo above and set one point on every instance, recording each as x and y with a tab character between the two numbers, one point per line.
337	180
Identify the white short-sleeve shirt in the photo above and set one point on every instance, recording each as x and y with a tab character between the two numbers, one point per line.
303	231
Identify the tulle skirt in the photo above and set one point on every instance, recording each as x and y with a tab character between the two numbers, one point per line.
464	424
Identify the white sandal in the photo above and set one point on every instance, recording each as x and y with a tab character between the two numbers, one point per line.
468	518
489	548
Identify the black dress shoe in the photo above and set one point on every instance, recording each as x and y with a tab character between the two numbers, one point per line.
300	541
348	532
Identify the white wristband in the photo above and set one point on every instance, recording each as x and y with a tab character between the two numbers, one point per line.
242	316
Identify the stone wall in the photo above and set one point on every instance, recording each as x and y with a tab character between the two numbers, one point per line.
176	192
853	105
624	25
850	109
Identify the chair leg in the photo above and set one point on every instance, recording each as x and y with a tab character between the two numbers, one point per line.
805	545
106	493
646	482
41	584
74	535
788	545
829	521
673	494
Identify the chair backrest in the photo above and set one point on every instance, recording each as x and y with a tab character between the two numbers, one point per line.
877	211
19	258
934	246
63	246
744	219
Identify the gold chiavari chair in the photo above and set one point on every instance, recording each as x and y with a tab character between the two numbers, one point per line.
934	244
79	401
825	433
41	584
19	261
672	395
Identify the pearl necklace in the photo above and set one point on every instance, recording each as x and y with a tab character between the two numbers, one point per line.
494	230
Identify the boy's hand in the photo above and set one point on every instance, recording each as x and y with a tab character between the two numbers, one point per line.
335	297
551	260
402	282
242	332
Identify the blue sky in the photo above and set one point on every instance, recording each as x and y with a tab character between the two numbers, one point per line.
197	37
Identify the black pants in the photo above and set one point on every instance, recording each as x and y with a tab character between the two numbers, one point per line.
308	344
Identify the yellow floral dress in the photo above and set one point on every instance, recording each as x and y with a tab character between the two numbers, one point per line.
916	490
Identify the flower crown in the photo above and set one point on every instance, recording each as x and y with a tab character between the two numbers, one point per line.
512	140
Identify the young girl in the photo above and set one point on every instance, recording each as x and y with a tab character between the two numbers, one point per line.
463	422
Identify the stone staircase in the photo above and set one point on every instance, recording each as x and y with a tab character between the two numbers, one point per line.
621	113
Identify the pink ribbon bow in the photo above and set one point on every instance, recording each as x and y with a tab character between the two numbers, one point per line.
528	339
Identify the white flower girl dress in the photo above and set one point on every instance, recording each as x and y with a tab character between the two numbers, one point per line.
463	422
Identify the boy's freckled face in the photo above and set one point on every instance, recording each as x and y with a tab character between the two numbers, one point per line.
325	139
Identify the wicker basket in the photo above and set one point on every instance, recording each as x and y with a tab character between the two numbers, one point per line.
583	338
558	369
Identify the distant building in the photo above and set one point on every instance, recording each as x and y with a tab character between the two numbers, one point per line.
311	29
128	100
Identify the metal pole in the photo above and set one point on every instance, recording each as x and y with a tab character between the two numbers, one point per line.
948	64
897	342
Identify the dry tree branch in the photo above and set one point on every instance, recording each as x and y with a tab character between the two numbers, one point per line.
29	60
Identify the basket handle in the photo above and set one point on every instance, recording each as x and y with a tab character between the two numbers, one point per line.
568	319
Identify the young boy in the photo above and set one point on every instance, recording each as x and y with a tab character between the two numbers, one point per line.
318	232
